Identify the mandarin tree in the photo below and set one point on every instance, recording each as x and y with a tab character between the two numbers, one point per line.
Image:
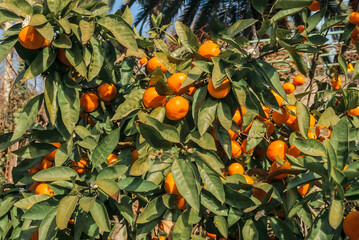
208	141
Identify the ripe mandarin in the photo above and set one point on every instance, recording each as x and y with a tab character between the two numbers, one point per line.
235	168
107	92
236	149
170	186
221	91
43	188
30	38
209	49
288	87
299	80
89	102
175	82
277	148
153	63
176	108
151	99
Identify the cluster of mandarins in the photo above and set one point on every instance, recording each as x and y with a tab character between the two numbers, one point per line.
354	19
177	107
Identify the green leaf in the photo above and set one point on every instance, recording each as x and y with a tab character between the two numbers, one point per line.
206	141
50	93
132	103
62	42
63	153
225	141
105	148
193	75
336	212
187	37
69	103
288	4
332	22
311	147
87	29
218	72
224	115
284	13
185	180
41	63
280	229
65	209
298	61
47	31
7	203
249	231
20	7
210	158
38	211
121	30
301	179
28	202
222	225
86	203
260	6
212	180
168	61
100	215
340	141
313	21
271	76
303	118
109	187
317	39
57	6
343	64
198	100
328	118
239	26
7	16
153	210
113	172
133	184
65	24
34	150
127	16
97	59
236	199
168	132
206	115
320	228
211	203
48	225
6	45
28	116
256	134
37	19
54	174
182	228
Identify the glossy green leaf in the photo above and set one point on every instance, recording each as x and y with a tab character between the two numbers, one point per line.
256	134
187	37
303	118
206	141
100	215
105	148
121	30
54	174
310	146
207	114
340	141
153	210
132	102
28	116
65	209
239	26
35	150
20	7
133	184
185	180
48	225
109	187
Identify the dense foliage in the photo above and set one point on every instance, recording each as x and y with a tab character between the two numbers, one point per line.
134	149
